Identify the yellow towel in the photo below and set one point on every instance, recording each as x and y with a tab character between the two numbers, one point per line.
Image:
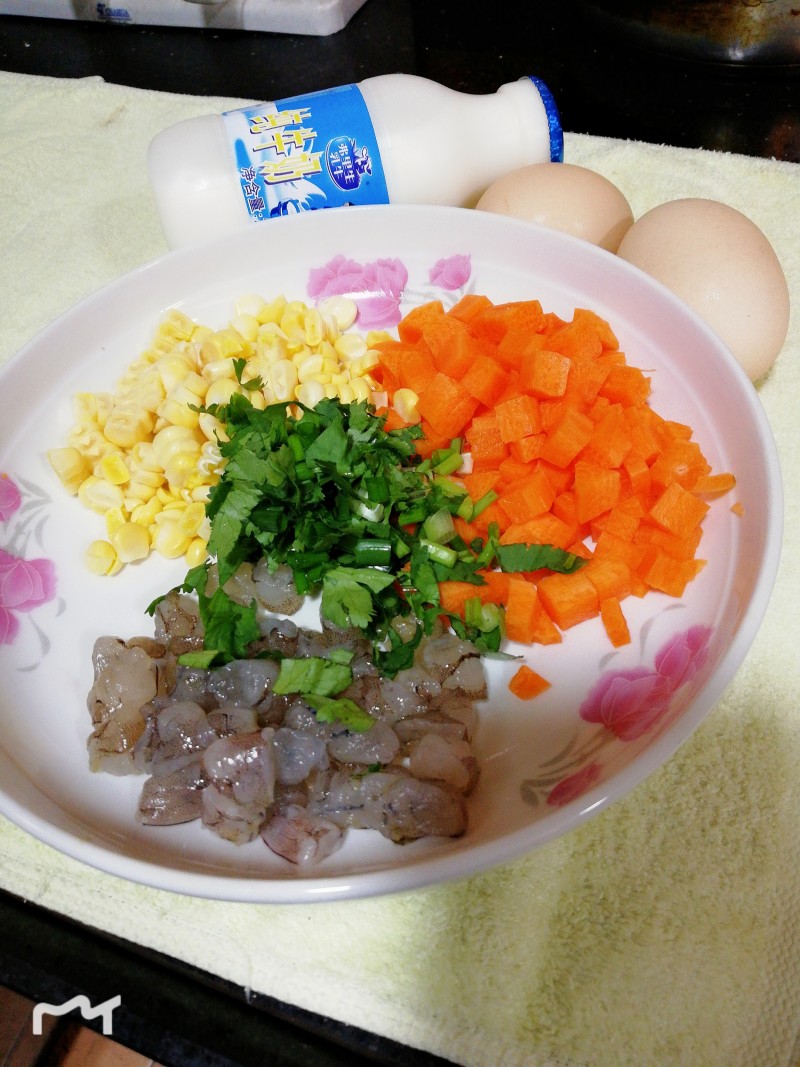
665	932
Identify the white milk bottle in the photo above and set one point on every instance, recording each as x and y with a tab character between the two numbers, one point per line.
394	138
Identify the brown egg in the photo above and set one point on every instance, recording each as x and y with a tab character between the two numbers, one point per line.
565	197
721	264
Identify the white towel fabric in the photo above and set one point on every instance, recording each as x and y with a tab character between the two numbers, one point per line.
665	932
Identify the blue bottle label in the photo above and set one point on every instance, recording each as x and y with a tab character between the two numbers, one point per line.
307	152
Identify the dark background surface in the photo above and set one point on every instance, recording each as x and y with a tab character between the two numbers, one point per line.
606	84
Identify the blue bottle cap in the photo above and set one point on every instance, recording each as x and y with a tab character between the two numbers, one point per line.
553	121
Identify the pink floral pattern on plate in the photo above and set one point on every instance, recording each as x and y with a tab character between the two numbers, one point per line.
380	287
25	583
627	704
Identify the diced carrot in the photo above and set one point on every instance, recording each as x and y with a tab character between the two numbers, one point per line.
478	483
681	461
714	484
544	373
626	385
518	417
411	326
597	489
446	405
527	684
527	498
738	508
637	475
668	575
602	329
614	621
485	379
611	439
569	599
454	349
522	609
609	546
527	448
543	530
469	306
611	578
487	447
430	441
511	470
568	437
577	339
677	547
678	510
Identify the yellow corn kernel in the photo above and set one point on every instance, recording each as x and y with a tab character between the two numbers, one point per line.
144	483
309	367
143	457
221	390
127	425
257	399
174	409
172	439
271	347
99	495
211	428
172	369
273	310
70	467
310	393
202	492
177	325
362	390
350	346
224	344
250	304
405	403
193	517
101	558
246	325
374	338
291	321
341	309
114	469
331	390
91	443
314	328
131	542
196	553
282	380
218	368
364	364
114	518
180	466
169	540
144	391
345	392
145	514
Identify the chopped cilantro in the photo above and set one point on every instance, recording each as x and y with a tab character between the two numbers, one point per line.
358	517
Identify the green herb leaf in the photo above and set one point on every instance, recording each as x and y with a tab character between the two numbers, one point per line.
312	675
343	710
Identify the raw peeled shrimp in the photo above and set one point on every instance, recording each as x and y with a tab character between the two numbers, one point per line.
221	746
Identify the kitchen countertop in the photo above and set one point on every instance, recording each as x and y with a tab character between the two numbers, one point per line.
603	86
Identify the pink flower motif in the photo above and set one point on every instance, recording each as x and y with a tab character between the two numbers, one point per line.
10	497
451	273
629	703
683	655
575	785
25	584
376	287
9	627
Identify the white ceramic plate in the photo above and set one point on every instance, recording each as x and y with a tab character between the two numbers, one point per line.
544	767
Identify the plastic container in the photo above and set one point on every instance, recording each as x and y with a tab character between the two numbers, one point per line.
394	138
